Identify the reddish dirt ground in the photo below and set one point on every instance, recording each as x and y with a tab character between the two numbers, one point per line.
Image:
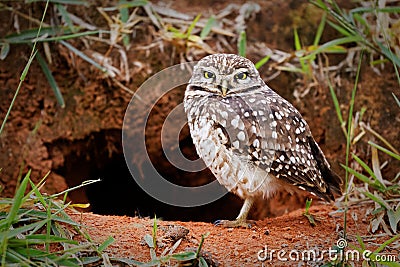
237	247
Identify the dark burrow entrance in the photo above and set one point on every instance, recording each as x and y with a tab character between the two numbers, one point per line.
100	156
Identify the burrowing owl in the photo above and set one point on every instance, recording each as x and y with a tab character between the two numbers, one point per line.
253	140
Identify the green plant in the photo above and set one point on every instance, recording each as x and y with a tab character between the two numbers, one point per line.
44	34
373	258
356	26
383	192
311	218
242	43
375	180
187	37
36	230
187	258
303	59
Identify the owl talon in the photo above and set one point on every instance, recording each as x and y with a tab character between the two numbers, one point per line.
235	224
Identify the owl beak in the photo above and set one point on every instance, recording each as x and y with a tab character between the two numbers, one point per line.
224	87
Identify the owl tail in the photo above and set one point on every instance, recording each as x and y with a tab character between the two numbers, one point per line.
333	181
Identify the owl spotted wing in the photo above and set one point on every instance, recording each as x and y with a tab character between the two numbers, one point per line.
242	130
297	158
267	131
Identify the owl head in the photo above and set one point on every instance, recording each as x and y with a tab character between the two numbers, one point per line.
224	75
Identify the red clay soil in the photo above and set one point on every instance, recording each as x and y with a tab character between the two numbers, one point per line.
290	233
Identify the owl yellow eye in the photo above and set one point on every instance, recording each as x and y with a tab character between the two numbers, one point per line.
209	75
242	76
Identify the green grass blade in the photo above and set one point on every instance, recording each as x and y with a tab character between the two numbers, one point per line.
389	9
242	43
47	210
66	17
262	61
380	137
386	151
397	100
202	262
335	49
389	54
203	237
84	183
124	13
106	243
31	252
320	30
42	215
363	22
50	78
365	166
154	262
14	257
207	28
28	36
91	260
358	175
184	256
39	184
25	71
386	243
83	56
394	219
134	3
320	4
20	230
5	49
349	138
72	36
192	25
360	241
339	41
346	21
308	204
336	103
17	203
39	239
149	240
56	34
154	233
297	43
339	29
392	9
298	48
377	199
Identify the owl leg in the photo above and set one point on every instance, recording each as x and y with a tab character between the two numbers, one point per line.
241	220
